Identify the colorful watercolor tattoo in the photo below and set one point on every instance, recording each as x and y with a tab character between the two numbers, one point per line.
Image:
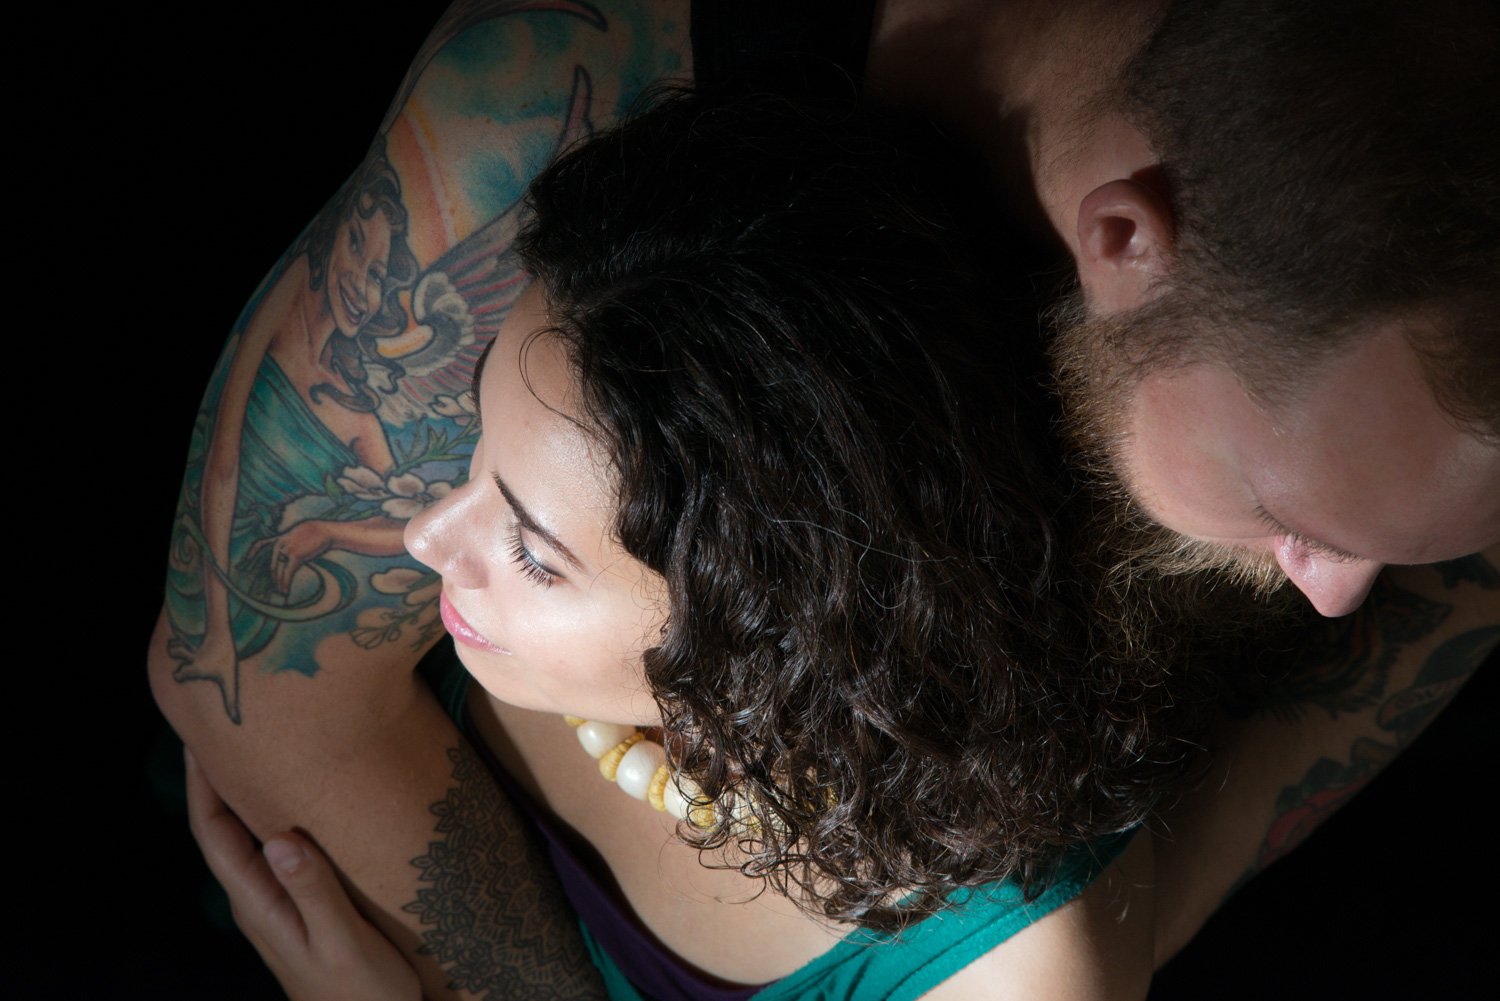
341	405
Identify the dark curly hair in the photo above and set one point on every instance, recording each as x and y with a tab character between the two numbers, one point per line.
882	641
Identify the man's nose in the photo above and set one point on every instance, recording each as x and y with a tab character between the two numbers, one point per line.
442	537
1334	586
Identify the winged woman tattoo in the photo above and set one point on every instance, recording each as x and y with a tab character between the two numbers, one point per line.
340	408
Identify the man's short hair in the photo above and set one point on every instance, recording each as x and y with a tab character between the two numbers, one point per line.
1331	166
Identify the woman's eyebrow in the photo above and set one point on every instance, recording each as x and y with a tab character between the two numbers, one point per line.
484	356
534	527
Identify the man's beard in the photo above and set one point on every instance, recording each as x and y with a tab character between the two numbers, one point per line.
1098	362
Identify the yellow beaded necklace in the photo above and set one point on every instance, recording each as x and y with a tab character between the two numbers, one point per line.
639	766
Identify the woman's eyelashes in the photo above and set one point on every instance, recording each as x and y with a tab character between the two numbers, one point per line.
531	568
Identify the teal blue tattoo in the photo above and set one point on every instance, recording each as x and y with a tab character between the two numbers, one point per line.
341	408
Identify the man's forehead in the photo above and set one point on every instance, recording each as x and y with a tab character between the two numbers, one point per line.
1361	459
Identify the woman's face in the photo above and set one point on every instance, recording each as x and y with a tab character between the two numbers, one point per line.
355	282
547	610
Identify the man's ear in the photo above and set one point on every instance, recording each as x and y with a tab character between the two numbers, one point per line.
1125	243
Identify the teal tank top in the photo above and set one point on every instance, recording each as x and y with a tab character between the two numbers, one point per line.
865	965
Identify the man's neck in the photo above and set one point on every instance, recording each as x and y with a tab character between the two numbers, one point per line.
1033	85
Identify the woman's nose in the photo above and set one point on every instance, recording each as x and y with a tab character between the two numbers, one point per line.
1335	586
441	536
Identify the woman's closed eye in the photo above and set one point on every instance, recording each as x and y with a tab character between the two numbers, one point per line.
531	568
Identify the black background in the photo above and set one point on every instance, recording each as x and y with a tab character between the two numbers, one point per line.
168	157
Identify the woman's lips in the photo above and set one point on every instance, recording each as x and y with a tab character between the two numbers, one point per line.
462	631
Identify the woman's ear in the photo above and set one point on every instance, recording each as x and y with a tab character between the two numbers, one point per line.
1125	244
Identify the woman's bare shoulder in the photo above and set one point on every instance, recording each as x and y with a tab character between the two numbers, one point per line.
1098	946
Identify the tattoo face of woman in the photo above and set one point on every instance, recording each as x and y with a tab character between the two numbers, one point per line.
547	609
357	265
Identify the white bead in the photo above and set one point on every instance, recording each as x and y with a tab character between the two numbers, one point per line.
678	794
639	766
599	738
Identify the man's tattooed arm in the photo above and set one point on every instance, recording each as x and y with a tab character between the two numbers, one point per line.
293	619
1372	682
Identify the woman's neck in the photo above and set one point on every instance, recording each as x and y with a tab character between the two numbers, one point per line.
713	916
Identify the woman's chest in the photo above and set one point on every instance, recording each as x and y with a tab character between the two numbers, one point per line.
716	919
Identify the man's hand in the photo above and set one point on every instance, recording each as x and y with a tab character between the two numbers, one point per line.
289	903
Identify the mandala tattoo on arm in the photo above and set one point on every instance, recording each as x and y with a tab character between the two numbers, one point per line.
500	929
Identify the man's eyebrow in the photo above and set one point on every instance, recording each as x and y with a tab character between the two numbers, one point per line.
534	527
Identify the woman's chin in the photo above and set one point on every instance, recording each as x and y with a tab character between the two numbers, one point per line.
506	687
